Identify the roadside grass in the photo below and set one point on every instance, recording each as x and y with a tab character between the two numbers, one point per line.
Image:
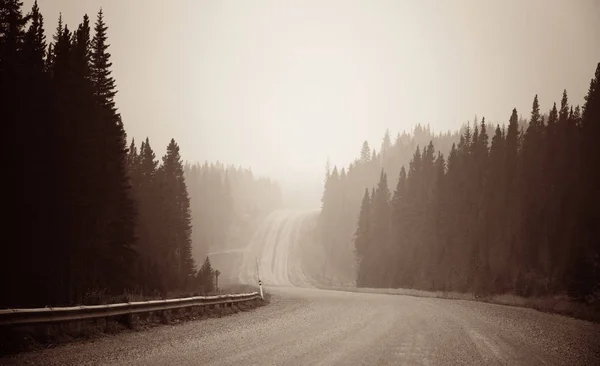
561	305
15	339
406	292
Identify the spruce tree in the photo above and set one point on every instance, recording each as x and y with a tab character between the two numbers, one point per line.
151	229
52	46
33	123
105	89
132	159
82	51
362	230
379	234
34	47
587	262
531	190
361	239
177	216
206	276
12	35
511	186
14	98
116	209
438	225
365	153
386	144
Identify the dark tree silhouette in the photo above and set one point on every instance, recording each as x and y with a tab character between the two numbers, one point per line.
177	219
206	277
517	215
90	217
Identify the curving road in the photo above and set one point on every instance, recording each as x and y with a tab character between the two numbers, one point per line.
275	249
304	325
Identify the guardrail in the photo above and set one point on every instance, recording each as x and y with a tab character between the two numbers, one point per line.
84	312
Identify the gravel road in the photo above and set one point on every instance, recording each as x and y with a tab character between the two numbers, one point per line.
308	326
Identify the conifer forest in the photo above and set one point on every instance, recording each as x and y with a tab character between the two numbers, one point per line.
91	213
491	209
297	182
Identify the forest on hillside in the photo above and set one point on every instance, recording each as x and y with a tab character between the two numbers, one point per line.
224	197
91	215
509	210
343	187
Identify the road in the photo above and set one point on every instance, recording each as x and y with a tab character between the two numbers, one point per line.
304	325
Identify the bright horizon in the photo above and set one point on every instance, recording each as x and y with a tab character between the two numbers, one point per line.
280	86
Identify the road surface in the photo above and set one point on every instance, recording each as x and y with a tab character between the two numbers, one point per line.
307	326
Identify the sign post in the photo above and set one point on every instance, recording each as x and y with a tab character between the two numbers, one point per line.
217	273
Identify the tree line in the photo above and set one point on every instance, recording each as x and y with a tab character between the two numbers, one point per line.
89	214
343	188
222	197
164	223
71	214
517	214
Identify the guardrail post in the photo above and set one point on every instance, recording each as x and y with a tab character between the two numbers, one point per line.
127	320
103	322
46	331
164	316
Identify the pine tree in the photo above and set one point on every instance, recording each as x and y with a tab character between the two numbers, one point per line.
379	234
148	162
151	229
60	55
532	190
116	207
495	214
362	231
585	279
82	51
513	212
34	47
15	85
365	153
52	46
361	239
33	123
206	276
12	35
439	223
177	217
386	144
132	159
105	89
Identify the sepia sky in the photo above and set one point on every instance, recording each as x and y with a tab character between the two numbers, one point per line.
281	85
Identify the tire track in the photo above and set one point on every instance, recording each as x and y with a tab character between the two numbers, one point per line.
276	246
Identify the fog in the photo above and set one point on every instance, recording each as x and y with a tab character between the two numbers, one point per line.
279	86
308	157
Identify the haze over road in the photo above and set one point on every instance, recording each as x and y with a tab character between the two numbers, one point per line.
304	325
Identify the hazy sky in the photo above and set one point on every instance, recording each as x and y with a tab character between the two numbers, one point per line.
280	85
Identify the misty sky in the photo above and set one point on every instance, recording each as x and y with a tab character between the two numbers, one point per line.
281	85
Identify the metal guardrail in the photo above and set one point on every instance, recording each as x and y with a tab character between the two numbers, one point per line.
83	312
